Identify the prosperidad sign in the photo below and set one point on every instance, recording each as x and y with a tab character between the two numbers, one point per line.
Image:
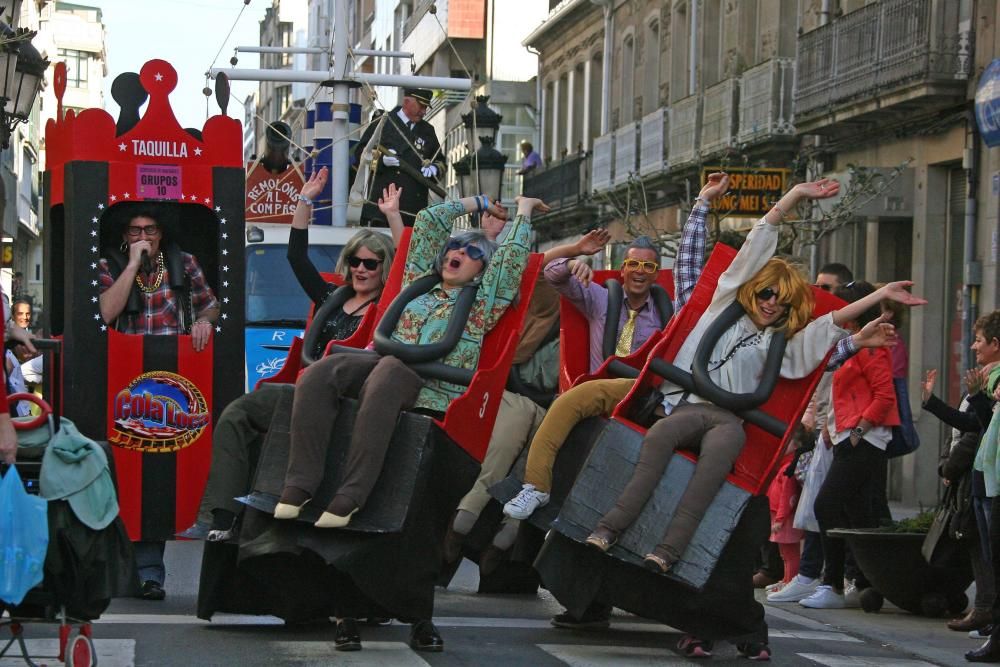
752	192
159	412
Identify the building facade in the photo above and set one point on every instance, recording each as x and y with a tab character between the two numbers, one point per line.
639	98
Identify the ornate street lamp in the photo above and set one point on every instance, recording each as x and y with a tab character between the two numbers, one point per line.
22	69
481	172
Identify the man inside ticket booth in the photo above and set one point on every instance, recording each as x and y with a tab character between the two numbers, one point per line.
152	287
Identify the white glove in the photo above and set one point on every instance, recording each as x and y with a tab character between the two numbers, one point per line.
390	159
429	171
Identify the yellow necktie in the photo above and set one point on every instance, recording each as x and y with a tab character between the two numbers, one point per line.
624	346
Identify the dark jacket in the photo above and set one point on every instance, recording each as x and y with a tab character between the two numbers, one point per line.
415	147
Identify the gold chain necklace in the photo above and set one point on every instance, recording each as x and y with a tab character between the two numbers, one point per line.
159	277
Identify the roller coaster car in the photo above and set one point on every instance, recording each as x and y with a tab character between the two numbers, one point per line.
300	352
708	592
574	334
468	422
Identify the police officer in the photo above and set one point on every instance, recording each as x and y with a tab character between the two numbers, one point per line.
408	139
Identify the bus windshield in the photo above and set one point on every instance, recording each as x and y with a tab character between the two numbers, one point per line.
273	295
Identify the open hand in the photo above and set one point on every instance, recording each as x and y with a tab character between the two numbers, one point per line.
896	291
313	188
877	333
927	386
581	271
824	188
593	242
528	205
974	381
389	201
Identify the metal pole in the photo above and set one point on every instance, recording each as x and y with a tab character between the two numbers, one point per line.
280	49
341	112
285	75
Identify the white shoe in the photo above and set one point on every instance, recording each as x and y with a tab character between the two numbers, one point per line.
852	596
824	598
526	502
798	588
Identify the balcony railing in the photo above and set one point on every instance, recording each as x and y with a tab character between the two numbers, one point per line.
766	101
561	184
512	184
26	214
718	124
604	153
653	142
880	47
685	131
626	153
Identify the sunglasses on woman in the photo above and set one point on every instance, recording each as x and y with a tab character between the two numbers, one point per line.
640	265
767	293
474	252
371	264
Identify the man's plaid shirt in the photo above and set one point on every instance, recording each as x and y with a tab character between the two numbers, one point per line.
159	313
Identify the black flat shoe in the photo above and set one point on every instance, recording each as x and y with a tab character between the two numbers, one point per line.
988	652
152	590
347	638
425	637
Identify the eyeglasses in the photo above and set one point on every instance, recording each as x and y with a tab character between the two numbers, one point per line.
640	265
371	264
474	252
825	288
149	230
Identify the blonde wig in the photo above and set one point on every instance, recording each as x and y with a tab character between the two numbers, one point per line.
793	290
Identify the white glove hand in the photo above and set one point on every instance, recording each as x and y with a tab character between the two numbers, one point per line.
390	160
429	171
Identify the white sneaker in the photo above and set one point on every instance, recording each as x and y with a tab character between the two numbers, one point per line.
852	596
524	503
798	588
824	598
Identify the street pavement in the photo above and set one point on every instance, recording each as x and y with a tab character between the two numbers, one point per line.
486	630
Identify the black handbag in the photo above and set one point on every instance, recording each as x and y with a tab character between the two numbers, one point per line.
644	408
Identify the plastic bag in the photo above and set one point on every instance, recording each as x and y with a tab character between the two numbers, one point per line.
24	538
805	516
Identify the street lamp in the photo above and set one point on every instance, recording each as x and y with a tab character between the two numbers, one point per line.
481	172
22	69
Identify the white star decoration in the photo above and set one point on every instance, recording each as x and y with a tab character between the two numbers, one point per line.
225	299
225	283
113	198
93	283
158	77
122	146
93	248
197	151
218	209
222	221
194	197
218	329
93	232
100	207
225	252
94	219
126	195
225	268
225	316
104	327
93	299
96	316
93	265
225	236
207	201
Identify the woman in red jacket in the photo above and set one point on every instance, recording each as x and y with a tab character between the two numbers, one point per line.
862	413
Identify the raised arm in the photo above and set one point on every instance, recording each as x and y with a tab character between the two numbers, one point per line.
388	203
298	240
691	251
895	291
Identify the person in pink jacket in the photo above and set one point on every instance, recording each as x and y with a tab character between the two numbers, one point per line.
862	413
783	498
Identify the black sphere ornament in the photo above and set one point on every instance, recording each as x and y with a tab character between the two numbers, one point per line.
206	91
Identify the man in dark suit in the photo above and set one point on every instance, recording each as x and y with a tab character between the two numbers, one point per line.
408	140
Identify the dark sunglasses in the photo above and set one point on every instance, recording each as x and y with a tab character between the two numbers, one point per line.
474	252
825	288
766	294
370	264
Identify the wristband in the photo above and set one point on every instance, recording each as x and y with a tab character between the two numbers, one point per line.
305	200
701	199
480	206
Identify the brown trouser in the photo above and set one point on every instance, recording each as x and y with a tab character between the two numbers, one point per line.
589	399
716	435
384	386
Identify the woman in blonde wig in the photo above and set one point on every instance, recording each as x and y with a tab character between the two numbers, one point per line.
775	296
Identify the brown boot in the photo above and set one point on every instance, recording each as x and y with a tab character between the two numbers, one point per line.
763	580
974	620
